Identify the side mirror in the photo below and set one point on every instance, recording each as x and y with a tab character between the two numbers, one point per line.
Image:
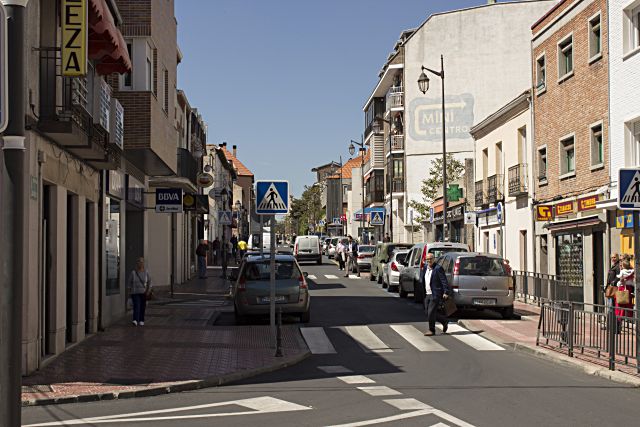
305	274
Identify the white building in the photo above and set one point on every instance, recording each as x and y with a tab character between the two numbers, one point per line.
503	159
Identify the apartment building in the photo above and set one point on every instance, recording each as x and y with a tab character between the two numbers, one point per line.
571	133
221	195
340	202
503	184
243	197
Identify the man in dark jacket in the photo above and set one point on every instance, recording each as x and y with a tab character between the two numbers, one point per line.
437	289
201	252
352	253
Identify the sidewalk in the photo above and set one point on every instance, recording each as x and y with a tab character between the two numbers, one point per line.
188	342
521	336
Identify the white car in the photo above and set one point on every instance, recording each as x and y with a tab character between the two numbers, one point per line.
391	270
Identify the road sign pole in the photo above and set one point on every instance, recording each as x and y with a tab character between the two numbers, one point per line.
272	296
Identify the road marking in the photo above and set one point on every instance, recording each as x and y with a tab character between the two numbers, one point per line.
379	390
417	338
451	418
402	416
317	340
440	425
258	405
356	379
471	339
407	404
367	339
335	369
312	277
330	276
353	276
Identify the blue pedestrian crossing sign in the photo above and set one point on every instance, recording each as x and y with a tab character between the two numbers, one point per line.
629	188
224	217
377	218
272	197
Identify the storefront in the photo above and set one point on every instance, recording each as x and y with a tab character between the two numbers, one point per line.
115	195
134	223
455	216
490	236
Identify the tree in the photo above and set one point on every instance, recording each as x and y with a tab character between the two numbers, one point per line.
307	209
432	186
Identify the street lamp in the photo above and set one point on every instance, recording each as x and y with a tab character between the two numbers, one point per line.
423	85
352	150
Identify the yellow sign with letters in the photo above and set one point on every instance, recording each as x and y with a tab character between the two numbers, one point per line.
74	38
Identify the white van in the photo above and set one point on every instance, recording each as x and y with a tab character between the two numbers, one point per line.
307	248
255	242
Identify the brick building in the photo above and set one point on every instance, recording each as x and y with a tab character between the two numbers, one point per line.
571	100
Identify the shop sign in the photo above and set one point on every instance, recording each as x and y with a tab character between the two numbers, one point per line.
624	219
115	184
74	38
189	202
564	208
135	192
426	117
587	203
544	213
453	214
202	203
168	200
204	180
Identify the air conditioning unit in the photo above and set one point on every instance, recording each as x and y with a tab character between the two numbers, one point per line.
102	104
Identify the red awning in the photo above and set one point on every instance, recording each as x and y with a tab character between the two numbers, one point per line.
106	44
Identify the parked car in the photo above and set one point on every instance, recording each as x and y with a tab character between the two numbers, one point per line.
307	248
331	251
365	254
391	270
410	276
479	281
251	288
381	256
325	245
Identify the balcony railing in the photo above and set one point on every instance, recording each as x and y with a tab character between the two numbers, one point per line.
187	165
397	185
495	192
480	193
397	142
376	196
518	180
395	97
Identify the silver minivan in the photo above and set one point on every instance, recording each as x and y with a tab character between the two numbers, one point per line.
479	281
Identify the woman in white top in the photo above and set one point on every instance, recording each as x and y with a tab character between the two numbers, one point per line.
340	254
139	285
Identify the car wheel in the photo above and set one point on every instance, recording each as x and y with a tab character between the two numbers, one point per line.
371	276
379	279
403	293
384	283
305	317
320	261
507	312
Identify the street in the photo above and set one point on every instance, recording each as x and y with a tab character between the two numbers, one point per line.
370	366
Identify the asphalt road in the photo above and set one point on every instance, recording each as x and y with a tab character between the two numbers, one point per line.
373	367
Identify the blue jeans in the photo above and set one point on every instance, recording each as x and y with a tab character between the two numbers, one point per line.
202	267
139	304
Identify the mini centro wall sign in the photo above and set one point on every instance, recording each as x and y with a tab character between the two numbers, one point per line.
74	38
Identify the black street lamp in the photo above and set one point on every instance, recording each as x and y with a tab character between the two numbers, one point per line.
352	150
423	85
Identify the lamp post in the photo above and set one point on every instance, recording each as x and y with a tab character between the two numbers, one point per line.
352	150
423	85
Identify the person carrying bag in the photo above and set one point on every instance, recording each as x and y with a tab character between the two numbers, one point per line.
141	290
624	294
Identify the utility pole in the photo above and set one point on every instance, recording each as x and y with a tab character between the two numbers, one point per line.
12	199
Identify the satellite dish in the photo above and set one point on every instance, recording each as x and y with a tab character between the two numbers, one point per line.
207	168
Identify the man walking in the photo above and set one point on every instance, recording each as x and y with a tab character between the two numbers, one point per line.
437	289
201	252
216	250
352	251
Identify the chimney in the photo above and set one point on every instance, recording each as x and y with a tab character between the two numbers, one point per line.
235	150
224	145
492	1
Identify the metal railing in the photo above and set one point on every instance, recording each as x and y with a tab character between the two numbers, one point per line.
592	329
395	97
397	142
518	180
539	287
396	185
480	193
495	192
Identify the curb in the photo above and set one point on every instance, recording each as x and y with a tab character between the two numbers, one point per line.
170	388
542	353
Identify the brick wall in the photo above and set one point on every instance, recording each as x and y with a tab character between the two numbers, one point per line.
572	105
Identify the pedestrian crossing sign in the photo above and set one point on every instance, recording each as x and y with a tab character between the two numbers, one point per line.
377	218
272	197
629	188
224	217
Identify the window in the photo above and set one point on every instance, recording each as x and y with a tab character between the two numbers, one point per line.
632	144
595	41
567	156
565	57
127	80
149	75
522	145
397	169
597	147
165	77
498	170
542	163
631	28
541	74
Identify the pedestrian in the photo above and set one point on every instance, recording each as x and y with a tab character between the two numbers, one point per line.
201	252
612	275
437	289
352	250
234	247
624	295
140	289
216	250
340	254
387	238
224	248
242	247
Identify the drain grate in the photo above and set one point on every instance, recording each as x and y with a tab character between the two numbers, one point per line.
37	388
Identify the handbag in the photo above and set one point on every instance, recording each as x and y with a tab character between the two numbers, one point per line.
610	291
623	297
448	306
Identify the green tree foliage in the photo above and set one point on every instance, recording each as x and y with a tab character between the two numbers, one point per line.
307	209
432	186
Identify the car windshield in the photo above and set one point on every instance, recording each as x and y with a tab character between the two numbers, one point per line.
437	252
392	248
366	248
481	266
260	271
401	256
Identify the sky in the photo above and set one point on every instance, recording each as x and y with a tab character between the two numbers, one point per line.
286	80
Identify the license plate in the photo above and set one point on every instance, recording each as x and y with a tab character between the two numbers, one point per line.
279	298
484	301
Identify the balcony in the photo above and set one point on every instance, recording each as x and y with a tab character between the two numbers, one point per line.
481	199
376	196
187	165
495	191
395	98
397	142
518	180
397	185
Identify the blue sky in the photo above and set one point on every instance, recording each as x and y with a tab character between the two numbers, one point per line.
285	80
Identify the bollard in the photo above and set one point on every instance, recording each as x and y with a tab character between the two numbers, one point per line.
279	334
612	326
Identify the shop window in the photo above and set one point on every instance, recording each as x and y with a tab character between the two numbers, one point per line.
567	157
569	253
565	58
597	146
595	38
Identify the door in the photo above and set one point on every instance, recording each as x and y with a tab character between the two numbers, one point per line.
598	267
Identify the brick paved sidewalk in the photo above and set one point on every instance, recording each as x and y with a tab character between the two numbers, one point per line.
521	335
182	346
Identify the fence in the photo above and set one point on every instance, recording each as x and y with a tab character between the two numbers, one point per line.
538	288
592	329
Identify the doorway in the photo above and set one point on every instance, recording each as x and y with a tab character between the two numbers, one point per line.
598	267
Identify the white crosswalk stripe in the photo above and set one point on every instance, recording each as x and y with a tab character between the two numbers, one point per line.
367	339
312	277
417	338
317	340
330	276
471	339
